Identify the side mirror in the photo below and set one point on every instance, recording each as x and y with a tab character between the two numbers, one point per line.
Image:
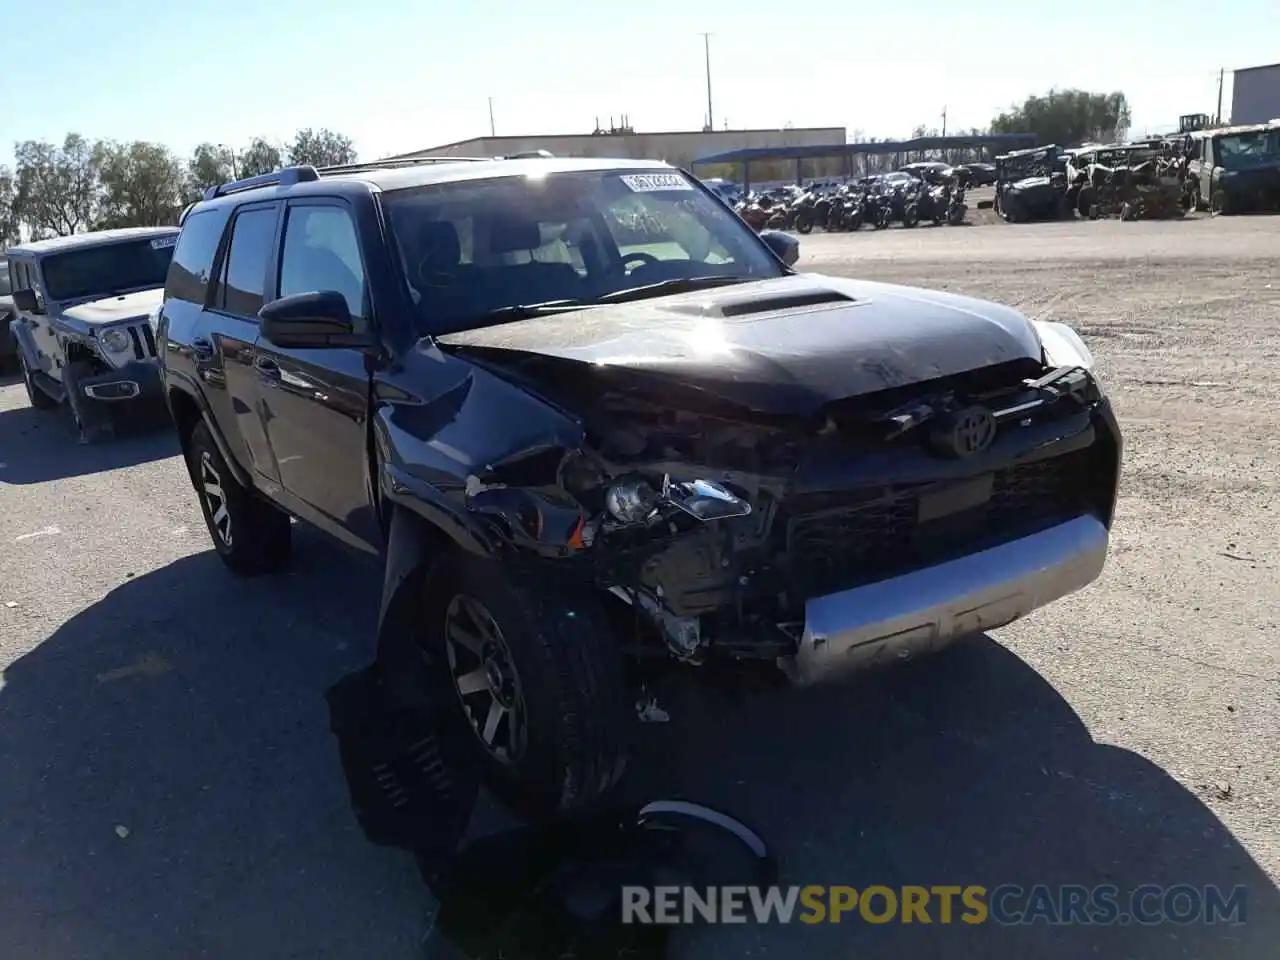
785	247
25	300
309	321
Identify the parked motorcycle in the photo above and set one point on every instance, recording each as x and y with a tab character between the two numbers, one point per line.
956	207
844	212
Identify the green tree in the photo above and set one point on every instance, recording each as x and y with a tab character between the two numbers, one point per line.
210	165
56	188
142	184
260	157
1068	117
9	232
320	148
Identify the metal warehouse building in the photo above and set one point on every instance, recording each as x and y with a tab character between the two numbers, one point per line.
1255	95
679	147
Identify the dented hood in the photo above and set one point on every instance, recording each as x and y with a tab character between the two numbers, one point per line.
94	313
784	346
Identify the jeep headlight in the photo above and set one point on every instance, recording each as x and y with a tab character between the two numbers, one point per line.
116	341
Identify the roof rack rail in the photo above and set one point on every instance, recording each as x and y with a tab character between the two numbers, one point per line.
277	178
392	164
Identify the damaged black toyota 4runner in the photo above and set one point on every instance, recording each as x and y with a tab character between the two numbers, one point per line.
587	414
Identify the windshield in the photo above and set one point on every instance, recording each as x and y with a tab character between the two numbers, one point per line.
471	248
1246	149
110	268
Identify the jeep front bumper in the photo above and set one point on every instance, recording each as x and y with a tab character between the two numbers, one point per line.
923	611
137	380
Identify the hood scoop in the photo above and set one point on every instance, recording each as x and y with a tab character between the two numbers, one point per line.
728	306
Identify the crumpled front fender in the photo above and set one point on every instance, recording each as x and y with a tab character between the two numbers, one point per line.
21	331
481	460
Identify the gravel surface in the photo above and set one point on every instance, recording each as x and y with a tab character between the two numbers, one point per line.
169	787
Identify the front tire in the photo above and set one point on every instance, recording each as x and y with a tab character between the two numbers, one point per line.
251	536
536	678
35	396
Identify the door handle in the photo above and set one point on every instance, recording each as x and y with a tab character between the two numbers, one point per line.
202	350
267	368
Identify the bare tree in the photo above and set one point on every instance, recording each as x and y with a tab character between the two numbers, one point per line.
56	187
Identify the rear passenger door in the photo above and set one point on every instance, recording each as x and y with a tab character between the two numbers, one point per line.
315	403
245	273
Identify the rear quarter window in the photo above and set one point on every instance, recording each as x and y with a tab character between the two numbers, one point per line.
192	265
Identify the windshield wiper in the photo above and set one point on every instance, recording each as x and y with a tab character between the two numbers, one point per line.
526	311
675	285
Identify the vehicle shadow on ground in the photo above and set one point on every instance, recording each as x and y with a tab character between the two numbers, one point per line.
187	708
964	769
41	445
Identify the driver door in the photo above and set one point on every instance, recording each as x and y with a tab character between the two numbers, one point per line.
315	403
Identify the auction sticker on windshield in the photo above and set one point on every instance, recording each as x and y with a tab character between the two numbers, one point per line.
159	243
655	182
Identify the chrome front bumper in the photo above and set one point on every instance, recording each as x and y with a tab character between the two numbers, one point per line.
923	611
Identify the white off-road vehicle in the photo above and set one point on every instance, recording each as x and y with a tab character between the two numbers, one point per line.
84	322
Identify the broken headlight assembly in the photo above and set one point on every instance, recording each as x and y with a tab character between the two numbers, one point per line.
636	500
1063	347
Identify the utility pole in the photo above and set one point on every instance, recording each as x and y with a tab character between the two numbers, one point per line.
1217	117
944	121
492	130
706	49
231	155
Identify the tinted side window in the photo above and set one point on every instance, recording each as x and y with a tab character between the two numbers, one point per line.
321	252
192	265
245	278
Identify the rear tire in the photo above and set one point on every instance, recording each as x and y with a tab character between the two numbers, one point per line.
535	680
251	536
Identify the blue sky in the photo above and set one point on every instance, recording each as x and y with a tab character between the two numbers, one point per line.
397	75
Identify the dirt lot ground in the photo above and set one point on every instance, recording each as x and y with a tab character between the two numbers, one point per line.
169	787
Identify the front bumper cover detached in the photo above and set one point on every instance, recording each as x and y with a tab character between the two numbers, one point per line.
923	611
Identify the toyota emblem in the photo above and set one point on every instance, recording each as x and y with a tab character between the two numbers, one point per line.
972	431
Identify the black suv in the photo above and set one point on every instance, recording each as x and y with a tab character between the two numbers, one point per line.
588	415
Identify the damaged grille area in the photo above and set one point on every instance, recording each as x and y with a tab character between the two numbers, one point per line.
144	341
895	529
